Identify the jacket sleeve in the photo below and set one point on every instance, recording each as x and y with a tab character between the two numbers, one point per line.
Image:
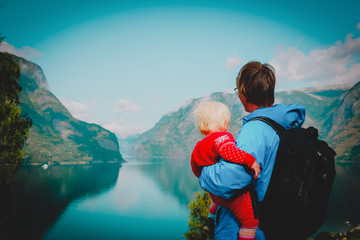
223	179
259	146
233	154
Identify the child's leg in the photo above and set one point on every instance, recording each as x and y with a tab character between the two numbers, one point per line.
247	233
213	208
242	209
210	221
248	228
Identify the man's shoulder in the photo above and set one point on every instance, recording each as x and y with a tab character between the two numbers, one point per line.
283	114
256	137
256	128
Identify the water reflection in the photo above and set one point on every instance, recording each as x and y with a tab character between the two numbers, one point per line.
143	200
175	176
137	207
345	198
42	195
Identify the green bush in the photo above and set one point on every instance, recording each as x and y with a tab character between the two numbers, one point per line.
199	211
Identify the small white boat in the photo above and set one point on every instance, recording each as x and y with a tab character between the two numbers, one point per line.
45	166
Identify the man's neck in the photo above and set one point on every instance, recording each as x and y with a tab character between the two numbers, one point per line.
252	107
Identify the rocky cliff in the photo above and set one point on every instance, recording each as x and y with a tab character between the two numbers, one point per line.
57	137
333	110
343	124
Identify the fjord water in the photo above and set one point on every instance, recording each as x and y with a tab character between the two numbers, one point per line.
135	200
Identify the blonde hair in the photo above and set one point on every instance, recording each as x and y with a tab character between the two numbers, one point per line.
212	116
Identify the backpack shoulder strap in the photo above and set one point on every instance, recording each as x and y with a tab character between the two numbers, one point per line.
258	205
276	126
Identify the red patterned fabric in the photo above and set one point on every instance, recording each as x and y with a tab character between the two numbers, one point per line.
241	207
215	146
210	150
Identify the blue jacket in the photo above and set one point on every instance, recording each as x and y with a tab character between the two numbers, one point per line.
260	140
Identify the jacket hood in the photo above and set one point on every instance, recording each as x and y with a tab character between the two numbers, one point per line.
283	114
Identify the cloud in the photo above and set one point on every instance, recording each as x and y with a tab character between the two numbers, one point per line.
125	105
233	62
86	112
26	52
336	64
118	127
80	111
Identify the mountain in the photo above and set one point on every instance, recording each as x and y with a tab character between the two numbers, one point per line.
56	136
333	110
343	124
125	145
175	134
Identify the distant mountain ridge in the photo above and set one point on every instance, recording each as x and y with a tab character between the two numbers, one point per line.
342	124
333	110
56	136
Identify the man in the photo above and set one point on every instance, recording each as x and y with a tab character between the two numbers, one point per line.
255	87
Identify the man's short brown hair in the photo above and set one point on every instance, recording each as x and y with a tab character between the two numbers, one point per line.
256	81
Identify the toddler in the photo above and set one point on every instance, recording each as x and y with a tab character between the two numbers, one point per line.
213	119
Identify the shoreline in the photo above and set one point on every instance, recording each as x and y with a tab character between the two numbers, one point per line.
73	163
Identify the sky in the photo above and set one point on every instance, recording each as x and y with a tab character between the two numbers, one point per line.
125	64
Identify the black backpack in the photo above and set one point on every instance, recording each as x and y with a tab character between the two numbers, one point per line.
295	204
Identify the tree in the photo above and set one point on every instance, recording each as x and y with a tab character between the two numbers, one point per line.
199	211
14	127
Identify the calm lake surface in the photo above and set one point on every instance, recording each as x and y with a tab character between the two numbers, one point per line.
135	200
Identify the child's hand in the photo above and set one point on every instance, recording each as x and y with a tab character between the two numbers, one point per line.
256	168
